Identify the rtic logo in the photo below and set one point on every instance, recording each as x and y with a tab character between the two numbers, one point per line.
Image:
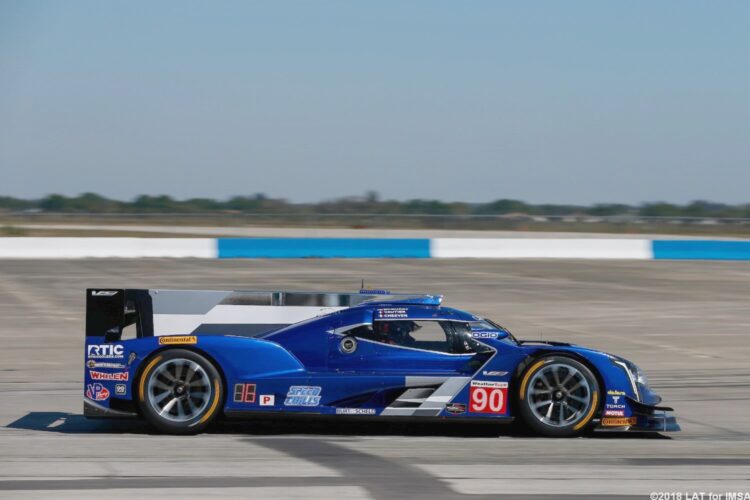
121	376
105	351
488	397
303	395
97	392
103	293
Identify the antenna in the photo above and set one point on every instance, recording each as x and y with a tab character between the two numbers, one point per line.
363	284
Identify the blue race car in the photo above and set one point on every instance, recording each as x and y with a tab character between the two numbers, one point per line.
182	358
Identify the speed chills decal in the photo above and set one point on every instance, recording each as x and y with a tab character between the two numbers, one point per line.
303	395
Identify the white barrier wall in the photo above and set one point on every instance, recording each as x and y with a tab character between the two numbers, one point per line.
540	248
80	248
375	248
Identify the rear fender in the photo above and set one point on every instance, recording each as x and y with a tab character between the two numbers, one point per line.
235	358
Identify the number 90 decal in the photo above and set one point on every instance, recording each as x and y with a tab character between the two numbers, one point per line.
488	397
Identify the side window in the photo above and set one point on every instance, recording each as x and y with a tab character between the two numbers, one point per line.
362	332
427	335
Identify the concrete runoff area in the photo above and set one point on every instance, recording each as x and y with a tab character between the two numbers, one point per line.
686	323
156	230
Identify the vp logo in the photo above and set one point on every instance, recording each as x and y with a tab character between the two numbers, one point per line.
97	392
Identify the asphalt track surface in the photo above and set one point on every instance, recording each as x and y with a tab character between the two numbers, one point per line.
686	323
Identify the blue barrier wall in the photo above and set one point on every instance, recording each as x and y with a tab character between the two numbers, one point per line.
420	248
701	250
233	248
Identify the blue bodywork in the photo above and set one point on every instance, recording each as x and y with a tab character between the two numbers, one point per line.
319	366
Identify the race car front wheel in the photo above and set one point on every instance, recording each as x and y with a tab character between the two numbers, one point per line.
558	396
180	391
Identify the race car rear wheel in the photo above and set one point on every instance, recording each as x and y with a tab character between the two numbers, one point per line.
180	391
558	396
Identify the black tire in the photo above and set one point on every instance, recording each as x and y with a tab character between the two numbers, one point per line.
180	391
558	396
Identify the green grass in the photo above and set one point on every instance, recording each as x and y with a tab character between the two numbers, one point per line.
12	231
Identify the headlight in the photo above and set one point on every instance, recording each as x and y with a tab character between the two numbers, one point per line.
634	373
640	376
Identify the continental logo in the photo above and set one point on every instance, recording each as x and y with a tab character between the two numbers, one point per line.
176	340
618	422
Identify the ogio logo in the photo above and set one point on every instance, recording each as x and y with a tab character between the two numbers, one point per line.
174	340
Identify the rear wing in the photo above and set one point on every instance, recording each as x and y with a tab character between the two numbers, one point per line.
110	311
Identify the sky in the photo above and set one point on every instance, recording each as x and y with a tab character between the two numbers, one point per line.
545	101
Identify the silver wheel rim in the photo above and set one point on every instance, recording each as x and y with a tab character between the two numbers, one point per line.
559	395
179	390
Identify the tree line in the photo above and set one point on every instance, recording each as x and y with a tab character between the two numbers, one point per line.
370	203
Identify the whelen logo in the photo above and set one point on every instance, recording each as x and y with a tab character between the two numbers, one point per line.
109	376
174	340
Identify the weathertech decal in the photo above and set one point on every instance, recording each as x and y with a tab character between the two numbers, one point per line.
183	339
488	397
